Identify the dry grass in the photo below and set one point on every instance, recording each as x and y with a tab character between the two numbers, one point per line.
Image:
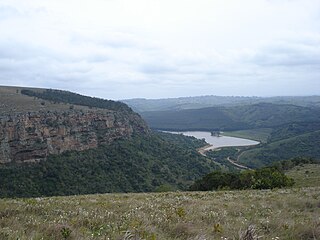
279	214
12	101
307	175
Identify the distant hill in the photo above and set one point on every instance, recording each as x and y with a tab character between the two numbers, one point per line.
262	115
286	130
144	105
304	145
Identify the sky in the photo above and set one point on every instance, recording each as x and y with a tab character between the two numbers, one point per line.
121	49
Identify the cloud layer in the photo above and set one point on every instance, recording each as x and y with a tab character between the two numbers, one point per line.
139	48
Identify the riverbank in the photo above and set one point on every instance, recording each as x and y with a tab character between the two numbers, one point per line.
204	149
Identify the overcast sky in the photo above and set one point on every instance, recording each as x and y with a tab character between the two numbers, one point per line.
119	49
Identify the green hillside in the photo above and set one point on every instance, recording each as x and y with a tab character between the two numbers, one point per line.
193	119
293	129
262	115
306	145
156	161
285	131
144	105
140	164
143	162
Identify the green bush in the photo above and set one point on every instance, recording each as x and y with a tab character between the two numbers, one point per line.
264	178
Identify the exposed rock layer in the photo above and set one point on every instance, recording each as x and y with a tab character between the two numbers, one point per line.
29	137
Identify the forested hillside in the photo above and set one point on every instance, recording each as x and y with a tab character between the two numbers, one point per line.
119	153
262	115
139	164
62	143
305	145
285	130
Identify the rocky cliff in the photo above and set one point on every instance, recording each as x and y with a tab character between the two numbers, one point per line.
30	137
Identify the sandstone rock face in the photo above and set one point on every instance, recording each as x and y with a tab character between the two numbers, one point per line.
31	137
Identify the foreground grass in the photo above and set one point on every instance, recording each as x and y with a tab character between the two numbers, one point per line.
278	214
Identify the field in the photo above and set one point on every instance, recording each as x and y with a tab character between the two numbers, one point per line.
12	101
306	176
261	134
278	214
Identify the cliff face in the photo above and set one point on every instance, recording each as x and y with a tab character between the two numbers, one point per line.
30	137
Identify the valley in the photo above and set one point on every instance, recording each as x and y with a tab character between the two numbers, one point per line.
219	141
159	120
77	167
285	129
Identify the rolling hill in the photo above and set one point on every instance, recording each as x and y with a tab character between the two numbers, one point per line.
285	130
183	103
262	115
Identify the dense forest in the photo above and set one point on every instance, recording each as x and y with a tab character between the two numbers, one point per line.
142	163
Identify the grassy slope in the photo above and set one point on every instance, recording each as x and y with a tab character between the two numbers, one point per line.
12	101
260	134
305	145
305	176
285	213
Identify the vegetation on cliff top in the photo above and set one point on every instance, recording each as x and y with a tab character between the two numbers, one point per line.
77	99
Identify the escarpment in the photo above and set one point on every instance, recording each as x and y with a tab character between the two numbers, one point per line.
31	137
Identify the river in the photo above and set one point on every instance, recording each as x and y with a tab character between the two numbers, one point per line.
221	141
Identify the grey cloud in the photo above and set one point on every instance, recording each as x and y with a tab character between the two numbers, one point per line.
288	54
117	64
98	58
8	11
111	39
157	68
16	50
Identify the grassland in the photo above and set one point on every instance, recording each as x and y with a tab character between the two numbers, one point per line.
260	134
305	176
12	101
279	214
